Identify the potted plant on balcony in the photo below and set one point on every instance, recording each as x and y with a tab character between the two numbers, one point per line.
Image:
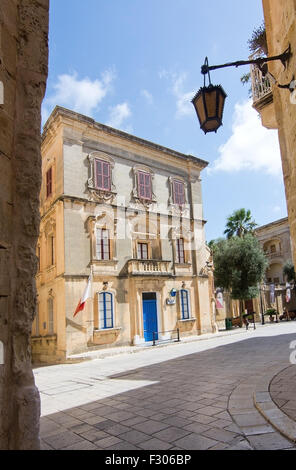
258	41
257	44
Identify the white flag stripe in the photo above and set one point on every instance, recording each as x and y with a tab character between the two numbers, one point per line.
87	292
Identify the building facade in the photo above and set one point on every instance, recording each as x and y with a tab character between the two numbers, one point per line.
276	105
129	212
275	241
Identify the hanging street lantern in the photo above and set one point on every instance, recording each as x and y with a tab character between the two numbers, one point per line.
209	104
209	100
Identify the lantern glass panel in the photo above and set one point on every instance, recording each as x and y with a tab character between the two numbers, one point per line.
200	109
221	104
211	126
211	103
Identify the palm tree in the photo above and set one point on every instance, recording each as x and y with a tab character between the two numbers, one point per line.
239	223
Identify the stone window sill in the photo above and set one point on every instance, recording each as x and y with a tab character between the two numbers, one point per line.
52	336
187	319
105	261
106	330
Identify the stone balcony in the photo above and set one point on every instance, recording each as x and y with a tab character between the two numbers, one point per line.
274	254
151	267
261	88
262	96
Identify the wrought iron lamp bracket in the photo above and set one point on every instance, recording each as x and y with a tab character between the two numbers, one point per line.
206	71
284	58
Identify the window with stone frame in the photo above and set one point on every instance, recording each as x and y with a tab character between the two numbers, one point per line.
102	244
38	254
106	310
142	250
100	182
50	315
50	250
37	326
178	192
49	183
102	175
180	252
143	177
185	304
144	185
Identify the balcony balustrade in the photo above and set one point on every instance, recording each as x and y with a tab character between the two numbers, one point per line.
274	254
261	87
149	267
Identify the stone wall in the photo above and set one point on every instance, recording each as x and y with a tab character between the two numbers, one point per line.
280	20
23	72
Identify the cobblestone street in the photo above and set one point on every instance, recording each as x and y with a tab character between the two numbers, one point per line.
204	394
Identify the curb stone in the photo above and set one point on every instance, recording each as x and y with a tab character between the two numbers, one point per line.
266	406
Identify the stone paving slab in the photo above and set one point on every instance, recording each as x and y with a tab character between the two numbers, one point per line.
193	396
283	391
269	408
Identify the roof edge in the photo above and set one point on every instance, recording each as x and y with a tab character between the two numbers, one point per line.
59	110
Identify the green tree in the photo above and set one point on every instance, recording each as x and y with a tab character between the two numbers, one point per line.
239	224
289	271
239	266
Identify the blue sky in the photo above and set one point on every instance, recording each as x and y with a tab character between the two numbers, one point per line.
135	65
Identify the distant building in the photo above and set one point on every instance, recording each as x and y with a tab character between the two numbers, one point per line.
130	212
275	241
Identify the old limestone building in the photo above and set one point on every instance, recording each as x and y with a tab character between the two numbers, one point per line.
130	212
275	240
277	106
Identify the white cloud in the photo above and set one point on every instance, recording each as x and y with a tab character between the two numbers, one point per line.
183	98
183	103
81	95
251	146
118	114
147	95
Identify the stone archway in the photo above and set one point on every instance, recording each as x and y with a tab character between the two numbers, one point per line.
23	73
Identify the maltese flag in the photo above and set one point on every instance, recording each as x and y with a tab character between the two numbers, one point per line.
86	295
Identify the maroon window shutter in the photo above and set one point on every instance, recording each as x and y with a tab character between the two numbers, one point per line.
178	192
148	186
181	193
99	174
144	185
175	194
141	184
49	182
106	176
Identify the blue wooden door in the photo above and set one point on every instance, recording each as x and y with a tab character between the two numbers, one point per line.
149	317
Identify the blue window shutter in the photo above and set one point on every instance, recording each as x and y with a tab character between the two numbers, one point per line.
184	304
106	310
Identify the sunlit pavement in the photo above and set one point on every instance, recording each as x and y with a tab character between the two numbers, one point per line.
196	395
